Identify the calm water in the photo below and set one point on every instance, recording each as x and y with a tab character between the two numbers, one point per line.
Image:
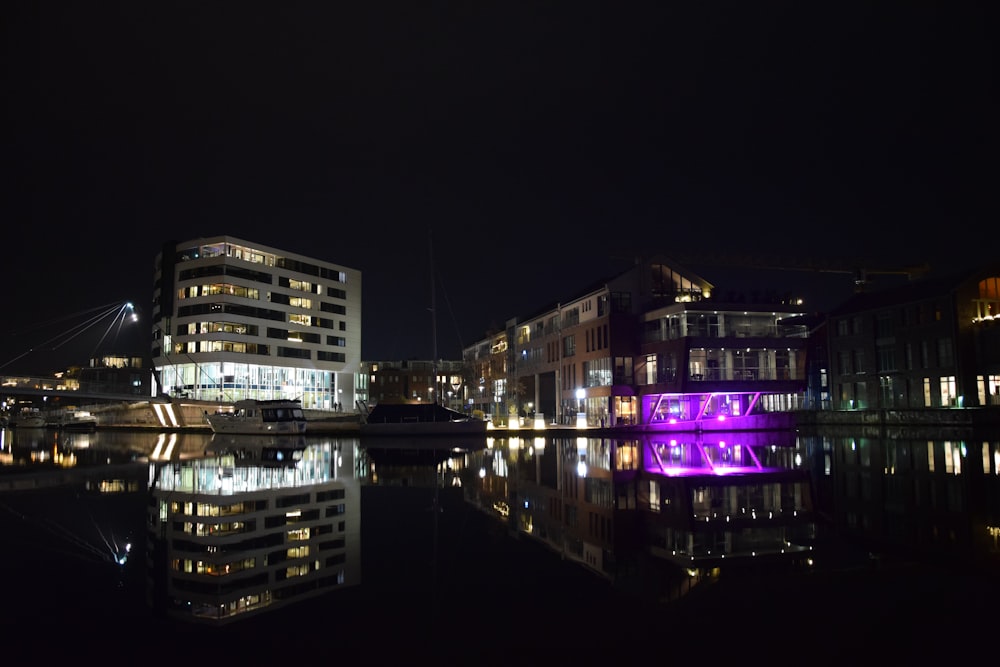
824	547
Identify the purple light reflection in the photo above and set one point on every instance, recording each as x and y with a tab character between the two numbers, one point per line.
714	458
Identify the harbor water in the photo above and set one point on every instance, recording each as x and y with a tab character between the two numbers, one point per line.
862	547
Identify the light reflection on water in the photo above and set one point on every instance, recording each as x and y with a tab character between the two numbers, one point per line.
656	519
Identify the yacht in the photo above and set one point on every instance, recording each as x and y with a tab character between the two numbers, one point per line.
251	417
77	420
28	418
409	419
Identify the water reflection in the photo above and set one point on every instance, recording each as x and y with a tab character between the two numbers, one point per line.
252	525
655	514
224	530
912	494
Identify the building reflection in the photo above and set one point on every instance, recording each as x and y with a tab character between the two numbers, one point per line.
41	450
656	515
919	493
665	513
423	462
235	529
252	526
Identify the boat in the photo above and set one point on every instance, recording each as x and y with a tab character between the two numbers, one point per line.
253	417
29	418
421	417
77	420
412	419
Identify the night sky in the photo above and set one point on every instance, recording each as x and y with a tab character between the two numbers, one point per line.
543	146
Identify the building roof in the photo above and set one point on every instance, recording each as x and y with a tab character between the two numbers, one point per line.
916	290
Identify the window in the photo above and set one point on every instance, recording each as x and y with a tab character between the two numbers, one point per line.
861	395
569	346
988	303
886	358
597	373
883	325
650	374
602	305
621	302
623	370
946	353
844	362
992	390
948	393
859	361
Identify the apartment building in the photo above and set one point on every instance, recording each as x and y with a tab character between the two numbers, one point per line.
933	343
415	381
650	344
233	319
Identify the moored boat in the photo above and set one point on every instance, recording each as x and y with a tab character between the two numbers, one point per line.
28	418
250	417
410	419
420	418
77	420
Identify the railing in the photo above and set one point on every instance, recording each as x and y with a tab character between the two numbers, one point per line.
746	375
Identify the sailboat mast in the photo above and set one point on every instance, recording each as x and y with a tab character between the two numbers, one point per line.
434	348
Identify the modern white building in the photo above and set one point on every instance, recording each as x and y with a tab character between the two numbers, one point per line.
233	319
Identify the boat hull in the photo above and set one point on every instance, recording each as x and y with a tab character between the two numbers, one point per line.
30	422
236	427
411	419
80	426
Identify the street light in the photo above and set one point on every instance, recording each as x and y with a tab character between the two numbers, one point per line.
581	416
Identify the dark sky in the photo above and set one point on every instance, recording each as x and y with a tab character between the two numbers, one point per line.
544	145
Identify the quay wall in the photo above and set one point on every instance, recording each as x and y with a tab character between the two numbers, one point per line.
191	416
959	417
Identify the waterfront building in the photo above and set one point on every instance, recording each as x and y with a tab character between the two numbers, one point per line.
233	319
649	346
415	381
120	374
933	343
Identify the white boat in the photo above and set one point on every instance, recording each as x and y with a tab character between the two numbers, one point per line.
29	418
77	420
251	417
